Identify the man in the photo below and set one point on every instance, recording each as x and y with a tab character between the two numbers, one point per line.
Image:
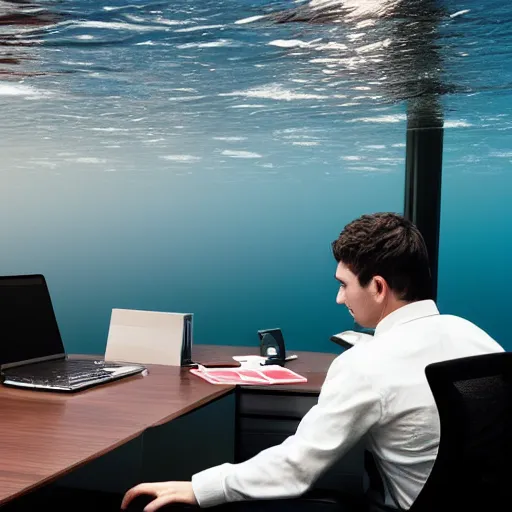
377	389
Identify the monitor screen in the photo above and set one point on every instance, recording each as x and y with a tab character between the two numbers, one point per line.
28	327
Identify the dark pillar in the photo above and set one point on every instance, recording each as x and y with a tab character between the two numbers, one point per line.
423	169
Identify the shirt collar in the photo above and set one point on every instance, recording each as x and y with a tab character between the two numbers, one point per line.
407	313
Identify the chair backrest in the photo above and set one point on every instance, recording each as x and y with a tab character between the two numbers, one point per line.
472	471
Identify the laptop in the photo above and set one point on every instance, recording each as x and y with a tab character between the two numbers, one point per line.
32	354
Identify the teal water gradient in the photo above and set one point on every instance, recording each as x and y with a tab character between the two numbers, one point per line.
162	156
476	236
240	256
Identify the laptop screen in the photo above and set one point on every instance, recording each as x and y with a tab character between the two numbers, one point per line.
27	321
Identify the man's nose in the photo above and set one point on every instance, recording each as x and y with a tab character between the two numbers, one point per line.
340	298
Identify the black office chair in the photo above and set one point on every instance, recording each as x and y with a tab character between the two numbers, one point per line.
473	469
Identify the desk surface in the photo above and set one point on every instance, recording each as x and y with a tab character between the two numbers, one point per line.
45	435
312	365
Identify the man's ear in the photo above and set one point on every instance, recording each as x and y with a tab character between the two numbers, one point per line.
381	287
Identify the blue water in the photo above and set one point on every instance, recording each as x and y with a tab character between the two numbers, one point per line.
165	156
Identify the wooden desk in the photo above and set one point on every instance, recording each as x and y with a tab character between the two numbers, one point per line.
46	435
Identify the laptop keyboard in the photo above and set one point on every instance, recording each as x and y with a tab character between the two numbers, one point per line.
65	373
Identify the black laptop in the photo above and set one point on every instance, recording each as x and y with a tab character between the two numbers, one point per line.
32	354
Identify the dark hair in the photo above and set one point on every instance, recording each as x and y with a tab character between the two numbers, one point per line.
390	246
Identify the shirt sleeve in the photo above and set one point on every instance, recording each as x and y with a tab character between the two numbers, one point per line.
347	408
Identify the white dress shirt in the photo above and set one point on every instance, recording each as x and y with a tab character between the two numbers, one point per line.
377	389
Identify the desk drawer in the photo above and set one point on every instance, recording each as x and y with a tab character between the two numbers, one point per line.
272	426
267	419
252	443
273	405
257	434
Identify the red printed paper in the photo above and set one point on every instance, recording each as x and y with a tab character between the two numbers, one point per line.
264	376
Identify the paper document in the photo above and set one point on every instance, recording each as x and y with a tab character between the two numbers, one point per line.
263	376
250	361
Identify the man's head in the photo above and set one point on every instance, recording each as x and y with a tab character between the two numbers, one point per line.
382	265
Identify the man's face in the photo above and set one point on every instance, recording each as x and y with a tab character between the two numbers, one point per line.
362	303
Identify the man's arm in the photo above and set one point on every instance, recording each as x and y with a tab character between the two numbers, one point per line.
348	407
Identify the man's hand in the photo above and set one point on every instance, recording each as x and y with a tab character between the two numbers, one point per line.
163	492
